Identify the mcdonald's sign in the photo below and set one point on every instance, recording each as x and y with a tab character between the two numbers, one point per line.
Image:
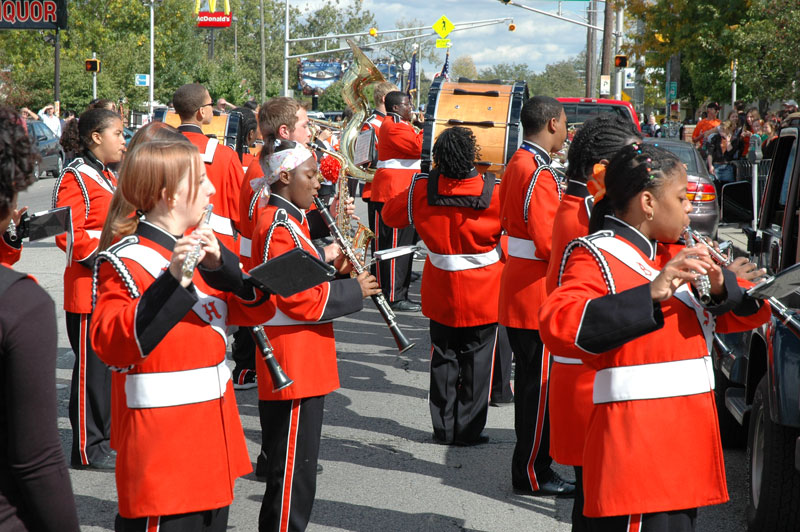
213	14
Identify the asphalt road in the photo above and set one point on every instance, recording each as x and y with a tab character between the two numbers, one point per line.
381	470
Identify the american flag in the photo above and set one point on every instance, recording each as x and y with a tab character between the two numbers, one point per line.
445	72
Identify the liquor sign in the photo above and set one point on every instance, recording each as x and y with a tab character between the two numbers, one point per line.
213	14
33	14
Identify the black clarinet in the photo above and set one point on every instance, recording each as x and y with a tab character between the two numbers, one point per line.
403	343
279	379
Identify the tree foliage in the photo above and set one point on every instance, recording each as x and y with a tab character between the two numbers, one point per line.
763	35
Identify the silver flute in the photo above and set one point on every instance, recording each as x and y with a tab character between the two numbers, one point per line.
722	256
190	262
701	282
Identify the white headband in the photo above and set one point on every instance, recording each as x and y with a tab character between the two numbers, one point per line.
286	161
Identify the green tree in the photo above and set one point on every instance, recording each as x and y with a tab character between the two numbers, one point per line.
507	71
463	67
562	78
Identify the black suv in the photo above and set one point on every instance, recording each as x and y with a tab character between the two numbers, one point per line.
758	372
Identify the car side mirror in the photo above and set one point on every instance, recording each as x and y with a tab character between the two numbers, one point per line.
737	203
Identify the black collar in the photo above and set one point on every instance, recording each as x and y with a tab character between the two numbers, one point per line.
288	206
576	188
156	234
475	202
190	128
92	160
631	234
537	150
378	113
396	117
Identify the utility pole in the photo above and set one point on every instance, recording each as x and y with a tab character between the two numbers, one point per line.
286	52
94	80
263	56
152	68
620	72
591	49
57	80
608	26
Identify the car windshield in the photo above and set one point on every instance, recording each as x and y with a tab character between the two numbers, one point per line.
578	113
686	155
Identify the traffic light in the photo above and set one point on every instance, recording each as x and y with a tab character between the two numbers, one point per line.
93	65
620	61
512	27
373	32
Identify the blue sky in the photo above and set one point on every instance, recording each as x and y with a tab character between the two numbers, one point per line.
537	41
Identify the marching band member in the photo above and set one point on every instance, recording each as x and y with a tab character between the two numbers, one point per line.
195	108
529	196
456	211
35	492
398	161
570	401
302	335
86	186
175	423
374	122
652	453
249	126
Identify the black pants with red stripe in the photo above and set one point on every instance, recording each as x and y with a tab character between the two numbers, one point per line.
530	464
205	521
89	397
394	275
461	367
292	445
676	521
501	371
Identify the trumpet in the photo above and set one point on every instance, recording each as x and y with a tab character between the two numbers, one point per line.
701	282
279	379
190	262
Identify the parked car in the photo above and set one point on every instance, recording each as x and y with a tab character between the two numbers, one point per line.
579	110
49	148
758	372
701	191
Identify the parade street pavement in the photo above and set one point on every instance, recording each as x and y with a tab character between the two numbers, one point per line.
381	470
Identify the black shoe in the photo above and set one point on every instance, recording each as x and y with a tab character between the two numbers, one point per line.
105	463
319	468
480	440
505	402
415	276
244	379
405	305
555	486
440	441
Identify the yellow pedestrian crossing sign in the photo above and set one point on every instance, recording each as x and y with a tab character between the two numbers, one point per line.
443	26
442	43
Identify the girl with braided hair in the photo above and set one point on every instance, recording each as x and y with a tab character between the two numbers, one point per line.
595	143
456	211
626	307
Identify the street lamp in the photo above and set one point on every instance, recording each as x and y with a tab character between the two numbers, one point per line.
405	67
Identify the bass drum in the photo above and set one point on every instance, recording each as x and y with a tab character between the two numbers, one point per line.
223	127
490	109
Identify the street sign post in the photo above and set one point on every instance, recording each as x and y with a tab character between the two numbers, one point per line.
605	84
672	90
442	43
141	80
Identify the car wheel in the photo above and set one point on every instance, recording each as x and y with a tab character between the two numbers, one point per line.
733	435
59	166
774	483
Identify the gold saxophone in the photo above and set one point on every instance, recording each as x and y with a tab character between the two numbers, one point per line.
359	76
358	235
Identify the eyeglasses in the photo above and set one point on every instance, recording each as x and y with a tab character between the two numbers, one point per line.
209	104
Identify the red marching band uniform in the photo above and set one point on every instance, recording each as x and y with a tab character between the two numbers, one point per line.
529	196
86	186
459	220
249	210
10	250
301	333
398	161
571	381
225	172
172	386
374	123
652	443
